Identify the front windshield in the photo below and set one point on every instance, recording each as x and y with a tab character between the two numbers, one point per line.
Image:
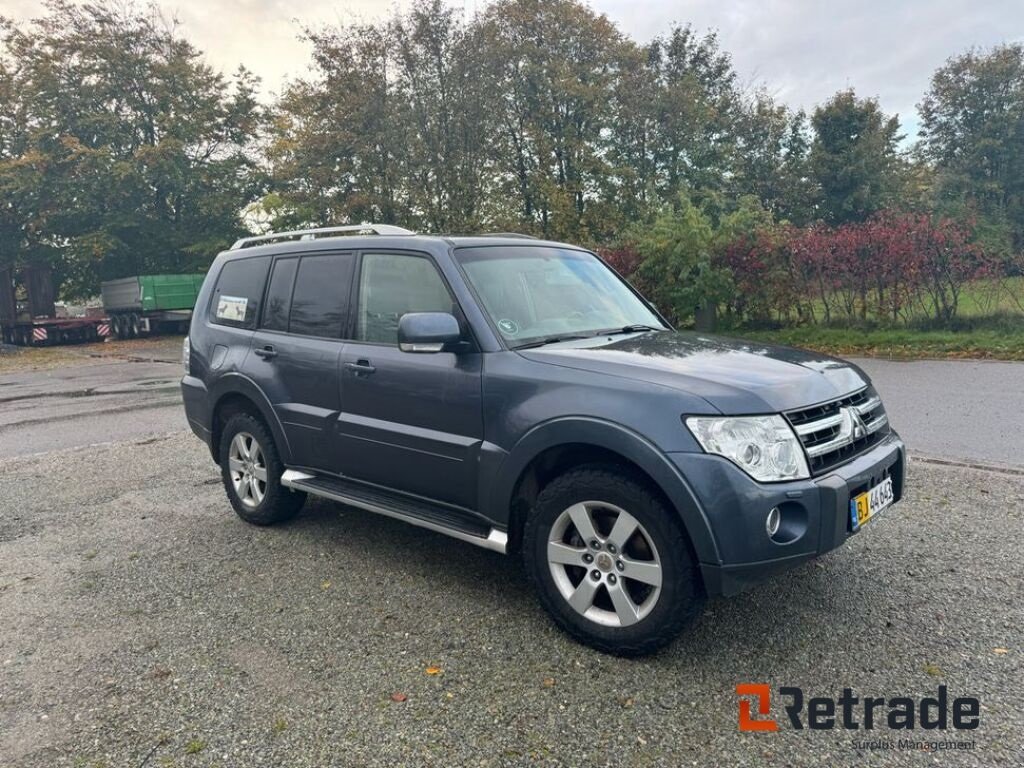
533	293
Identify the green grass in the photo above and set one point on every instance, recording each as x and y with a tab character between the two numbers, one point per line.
993	297
980	299
1006	344
989	325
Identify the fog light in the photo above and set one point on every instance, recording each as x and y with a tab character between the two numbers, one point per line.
771	523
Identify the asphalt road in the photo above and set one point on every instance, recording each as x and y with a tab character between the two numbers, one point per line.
141	623
86	404
967	410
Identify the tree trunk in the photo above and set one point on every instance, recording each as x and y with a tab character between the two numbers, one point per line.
705	317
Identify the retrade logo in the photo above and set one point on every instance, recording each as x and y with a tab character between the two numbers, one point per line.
762	695
850	712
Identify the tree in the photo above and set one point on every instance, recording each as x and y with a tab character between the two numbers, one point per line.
337	140
771	159
972	120
126	152
554	66
535	116
679	265
696	111
441	65
853	158
393	126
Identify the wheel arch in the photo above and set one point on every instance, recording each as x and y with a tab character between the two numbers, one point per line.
238	394
554	447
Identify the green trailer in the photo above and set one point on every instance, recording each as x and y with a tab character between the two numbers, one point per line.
150	303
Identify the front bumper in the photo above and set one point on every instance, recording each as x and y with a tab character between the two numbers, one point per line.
816	512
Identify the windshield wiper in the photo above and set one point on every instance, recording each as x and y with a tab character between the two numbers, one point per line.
554	340
638	328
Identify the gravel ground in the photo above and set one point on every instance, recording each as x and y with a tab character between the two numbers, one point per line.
164	348
144	624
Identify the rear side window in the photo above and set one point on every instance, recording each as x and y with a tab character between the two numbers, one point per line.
279	295
320	299
236	299
391	285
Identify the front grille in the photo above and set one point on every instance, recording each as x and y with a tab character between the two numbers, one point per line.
835	432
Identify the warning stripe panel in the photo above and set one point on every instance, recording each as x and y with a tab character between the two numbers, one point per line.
103	329
39	334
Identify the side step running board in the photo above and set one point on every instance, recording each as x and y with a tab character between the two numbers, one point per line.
430	516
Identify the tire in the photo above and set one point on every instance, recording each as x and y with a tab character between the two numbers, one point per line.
261	502
652	614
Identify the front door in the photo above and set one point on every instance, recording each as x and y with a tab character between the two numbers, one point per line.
409	421
297	348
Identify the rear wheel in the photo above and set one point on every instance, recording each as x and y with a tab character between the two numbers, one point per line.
611	562
251	471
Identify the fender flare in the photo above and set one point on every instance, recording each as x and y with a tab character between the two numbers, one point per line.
238	384
618	439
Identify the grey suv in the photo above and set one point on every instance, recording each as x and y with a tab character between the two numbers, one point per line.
518	395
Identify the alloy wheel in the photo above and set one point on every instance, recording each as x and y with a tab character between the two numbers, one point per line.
604	563
248	469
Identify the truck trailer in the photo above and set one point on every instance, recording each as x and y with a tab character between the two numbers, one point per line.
28	316
150	303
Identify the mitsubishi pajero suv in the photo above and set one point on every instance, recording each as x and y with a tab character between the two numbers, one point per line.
519	395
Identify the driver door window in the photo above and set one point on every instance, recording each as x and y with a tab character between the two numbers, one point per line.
391	285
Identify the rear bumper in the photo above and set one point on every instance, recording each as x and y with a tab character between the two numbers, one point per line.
197	410
818	511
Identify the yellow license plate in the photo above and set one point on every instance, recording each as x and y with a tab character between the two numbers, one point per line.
865	506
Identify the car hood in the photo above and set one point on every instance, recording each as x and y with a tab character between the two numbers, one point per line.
734	376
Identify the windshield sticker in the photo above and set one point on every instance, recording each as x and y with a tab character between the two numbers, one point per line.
508	327
232	308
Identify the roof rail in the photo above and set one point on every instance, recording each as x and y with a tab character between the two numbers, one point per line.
507	234
311	234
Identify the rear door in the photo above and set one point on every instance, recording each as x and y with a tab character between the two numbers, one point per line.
296	349
411	422
233	312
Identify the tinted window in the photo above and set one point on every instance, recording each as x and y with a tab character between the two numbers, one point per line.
391	285
279	295
236	299
320	298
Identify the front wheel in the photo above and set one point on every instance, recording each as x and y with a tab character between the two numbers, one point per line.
611	562
251	470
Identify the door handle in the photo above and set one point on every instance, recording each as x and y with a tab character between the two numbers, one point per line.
266	352
360	367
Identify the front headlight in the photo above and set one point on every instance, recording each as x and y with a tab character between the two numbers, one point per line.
763	446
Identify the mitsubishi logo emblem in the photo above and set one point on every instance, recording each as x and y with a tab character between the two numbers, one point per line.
853	424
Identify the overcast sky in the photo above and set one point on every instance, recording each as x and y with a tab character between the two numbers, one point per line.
801	50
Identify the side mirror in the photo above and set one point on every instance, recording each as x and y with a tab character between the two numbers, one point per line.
427	331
